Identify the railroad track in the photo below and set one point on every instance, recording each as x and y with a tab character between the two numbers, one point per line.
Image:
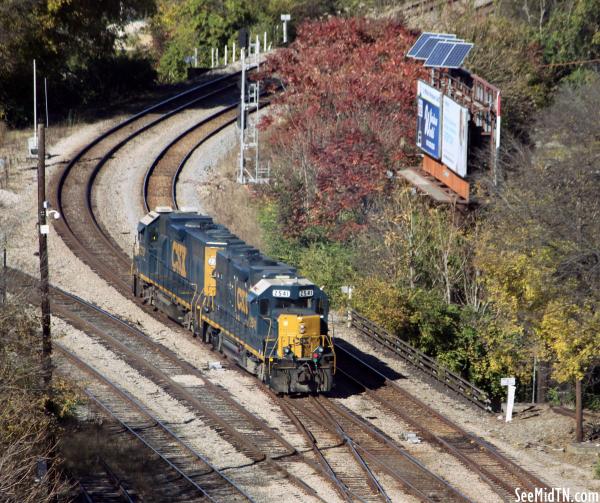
565	411
105	487
501	473
160	181
71	190
271	455
198	479
72	193
160	189
357	455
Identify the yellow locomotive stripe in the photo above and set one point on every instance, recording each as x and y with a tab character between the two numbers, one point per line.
203	317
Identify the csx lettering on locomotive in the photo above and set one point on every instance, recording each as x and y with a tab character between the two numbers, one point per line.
178	256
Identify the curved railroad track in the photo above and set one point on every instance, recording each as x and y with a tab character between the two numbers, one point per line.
501	473
160	181
71	189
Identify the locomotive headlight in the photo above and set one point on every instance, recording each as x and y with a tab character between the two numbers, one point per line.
302	328
317	353
287	351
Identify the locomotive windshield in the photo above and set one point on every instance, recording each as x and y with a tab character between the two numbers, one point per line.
287	303
312	305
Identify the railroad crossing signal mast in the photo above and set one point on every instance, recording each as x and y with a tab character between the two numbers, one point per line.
250	169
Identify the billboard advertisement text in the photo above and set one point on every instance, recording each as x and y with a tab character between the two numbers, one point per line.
429	119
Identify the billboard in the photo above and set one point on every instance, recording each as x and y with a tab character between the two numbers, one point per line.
429	116
455	136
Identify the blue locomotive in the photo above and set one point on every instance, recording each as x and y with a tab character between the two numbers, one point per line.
259	312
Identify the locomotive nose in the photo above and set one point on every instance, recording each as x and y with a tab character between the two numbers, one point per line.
299	335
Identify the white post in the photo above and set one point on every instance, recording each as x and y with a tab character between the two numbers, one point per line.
46	98
265	41
212	57
233	53
217	56
195	57
34	102
242	114
285	18
226	55
257	51
534	379
510	401
498	126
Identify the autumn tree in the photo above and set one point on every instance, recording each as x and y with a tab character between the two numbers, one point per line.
347	119
542	256
179	27
74	44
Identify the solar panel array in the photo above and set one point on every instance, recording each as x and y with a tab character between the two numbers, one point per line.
442	50
412	53
448	55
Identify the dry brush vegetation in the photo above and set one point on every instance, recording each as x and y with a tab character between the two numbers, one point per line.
28	424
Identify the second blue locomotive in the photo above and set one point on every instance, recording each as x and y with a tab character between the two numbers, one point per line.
257	310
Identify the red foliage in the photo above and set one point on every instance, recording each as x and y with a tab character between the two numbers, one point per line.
347	116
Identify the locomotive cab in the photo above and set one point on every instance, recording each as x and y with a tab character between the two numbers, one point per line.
299	351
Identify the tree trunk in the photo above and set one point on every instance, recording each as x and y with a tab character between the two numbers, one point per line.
578	412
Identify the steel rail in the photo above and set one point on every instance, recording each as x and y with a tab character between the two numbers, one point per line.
342	489
119	145
371	478
79	226
140	114
353	472
450	444
411	474
141	408
151	170
425	364
117	481
181	164
453	493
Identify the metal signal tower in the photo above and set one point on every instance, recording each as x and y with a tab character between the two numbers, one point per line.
250	170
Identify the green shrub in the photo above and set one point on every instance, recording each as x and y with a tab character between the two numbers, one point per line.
553	396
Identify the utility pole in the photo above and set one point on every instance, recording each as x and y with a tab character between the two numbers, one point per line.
578	411
43	249
46	98
4	279
34	101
